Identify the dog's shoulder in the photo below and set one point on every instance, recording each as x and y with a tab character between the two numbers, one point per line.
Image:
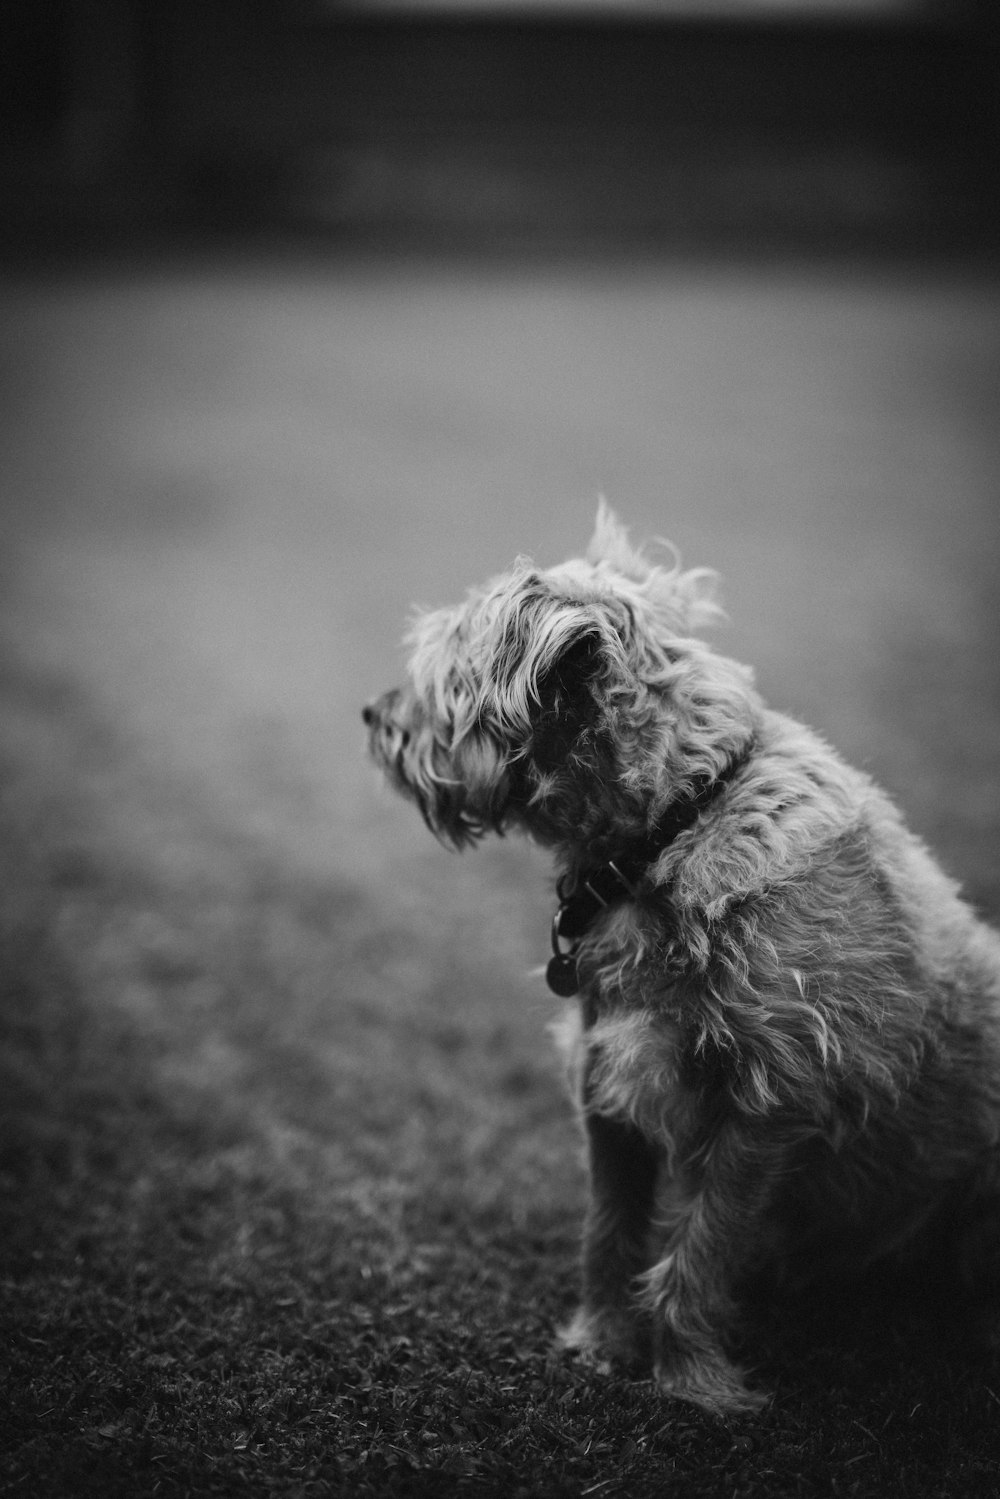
793	799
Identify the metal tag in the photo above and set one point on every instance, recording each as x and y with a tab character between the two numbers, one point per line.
561	975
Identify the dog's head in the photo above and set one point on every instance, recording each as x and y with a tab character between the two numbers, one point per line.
575	702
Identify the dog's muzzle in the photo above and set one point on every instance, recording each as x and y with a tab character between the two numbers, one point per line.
379	709
384	713
388	721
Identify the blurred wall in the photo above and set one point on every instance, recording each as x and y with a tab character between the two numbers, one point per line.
874	129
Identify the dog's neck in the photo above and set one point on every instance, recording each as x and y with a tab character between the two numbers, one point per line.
593	889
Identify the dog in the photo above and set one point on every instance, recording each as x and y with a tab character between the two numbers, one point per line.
786	1042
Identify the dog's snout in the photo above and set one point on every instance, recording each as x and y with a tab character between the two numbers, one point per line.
381	710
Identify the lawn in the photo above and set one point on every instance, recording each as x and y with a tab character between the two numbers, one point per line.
289	1183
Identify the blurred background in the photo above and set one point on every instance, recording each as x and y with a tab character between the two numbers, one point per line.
313	311
318	311
532	123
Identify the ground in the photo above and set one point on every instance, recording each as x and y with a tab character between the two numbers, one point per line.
290	1186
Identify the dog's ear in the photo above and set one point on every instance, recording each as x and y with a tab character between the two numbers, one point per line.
546	652
566	703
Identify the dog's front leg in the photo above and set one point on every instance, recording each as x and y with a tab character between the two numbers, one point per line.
623	1171
716	1220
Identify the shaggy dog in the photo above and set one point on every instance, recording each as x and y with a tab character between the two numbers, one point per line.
786	1047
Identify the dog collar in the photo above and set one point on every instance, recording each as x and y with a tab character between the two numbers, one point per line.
617	879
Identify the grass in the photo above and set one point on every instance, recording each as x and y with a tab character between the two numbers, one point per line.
289	1185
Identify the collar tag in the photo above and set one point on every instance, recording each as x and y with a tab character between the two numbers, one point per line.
561	973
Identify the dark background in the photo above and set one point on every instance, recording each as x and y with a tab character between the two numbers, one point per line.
869	126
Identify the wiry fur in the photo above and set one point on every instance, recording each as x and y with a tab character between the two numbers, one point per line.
787	1051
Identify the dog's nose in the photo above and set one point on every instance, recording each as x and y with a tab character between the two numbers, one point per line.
368	714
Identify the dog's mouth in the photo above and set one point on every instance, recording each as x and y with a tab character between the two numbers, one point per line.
461	789
390	743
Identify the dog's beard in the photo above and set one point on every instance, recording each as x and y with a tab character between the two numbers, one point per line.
462	788
403	745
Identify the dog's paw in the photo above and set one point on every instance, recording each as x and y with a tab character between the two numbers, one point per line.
713	1383
605	1338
